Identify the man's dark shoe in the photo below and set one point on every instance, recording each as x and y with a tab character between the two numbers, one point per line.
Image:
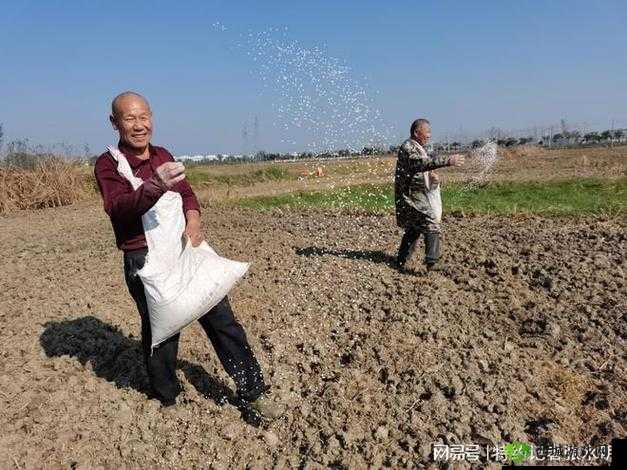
400	267
403	269
438	267
265	407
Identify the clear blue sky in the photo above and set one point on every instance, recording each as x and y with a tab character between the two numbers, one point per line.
468	64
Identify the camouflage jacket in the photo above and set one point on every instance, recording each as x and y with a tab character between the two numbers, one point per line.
411	184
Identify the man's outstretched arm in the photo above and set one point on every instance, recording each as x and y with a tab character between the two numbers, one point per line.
419	162
121	202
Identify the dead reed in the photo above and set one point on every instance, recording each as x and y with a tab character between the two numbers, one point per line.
52	182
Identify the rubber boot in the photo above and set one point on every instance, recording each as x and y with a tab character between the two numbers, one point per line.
406	249
432	252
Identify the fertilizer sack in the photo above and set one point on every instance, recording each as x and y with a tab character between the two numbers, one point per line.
433	189
435	199
181	282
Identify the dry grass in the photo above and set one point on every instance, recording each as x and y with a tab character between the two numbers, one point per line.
52	183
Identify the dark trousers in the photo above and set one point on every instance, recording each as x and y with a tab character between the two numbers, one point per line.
226	335
408	245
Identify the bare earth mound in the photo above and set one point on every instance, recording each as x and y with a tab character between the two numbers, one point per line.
523	340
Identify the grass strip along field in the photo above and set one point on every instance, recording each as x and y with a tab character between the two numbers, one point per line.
199	176
553	198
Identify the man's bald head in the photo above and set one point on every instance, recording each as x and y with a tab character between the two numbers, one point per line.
128	96
132	118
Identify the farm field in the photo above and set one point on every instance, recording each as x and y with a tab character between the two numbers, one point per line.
524	340
234	181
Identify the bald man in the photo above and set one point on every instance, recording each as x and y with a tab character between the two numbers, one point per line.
131	117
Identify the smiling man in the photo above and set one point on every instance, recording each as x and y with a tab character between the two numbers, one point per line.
131	116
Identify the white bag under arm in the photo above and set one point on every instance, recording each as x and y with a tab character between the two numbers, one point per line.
181	282
433	191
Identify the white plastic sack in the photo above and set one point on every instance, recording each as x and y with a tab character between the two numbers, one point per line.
433	190
181	282
435	199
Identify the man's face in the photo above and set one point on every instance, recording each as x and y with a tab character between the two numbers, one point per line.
423	134
133	120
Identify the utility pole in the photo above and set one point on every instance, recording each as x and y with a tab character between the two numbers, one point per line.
256	134
550	136
245	139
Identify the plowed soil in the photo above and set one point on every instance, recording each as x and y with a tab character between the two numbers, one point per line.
524	339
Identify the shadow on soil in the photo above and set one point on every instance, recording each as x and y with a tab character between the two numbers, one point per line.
374	256
118	359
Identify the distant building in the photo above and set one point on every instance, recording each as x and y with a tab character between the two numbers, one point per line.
196	158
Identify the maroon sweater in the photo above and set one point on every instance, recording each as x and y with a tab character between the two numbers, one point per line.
126	206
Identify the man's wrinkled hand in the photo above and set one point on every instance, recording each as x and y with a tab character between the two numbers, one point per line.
193	230
170	173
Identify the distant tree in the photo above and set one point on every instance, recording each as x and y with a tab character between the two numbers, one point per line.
606	135
20	154
592	137
557	137
574	136
477	143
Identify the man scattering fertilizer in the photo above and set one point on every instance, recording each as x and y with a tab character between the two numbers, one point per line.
131	116
417	195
